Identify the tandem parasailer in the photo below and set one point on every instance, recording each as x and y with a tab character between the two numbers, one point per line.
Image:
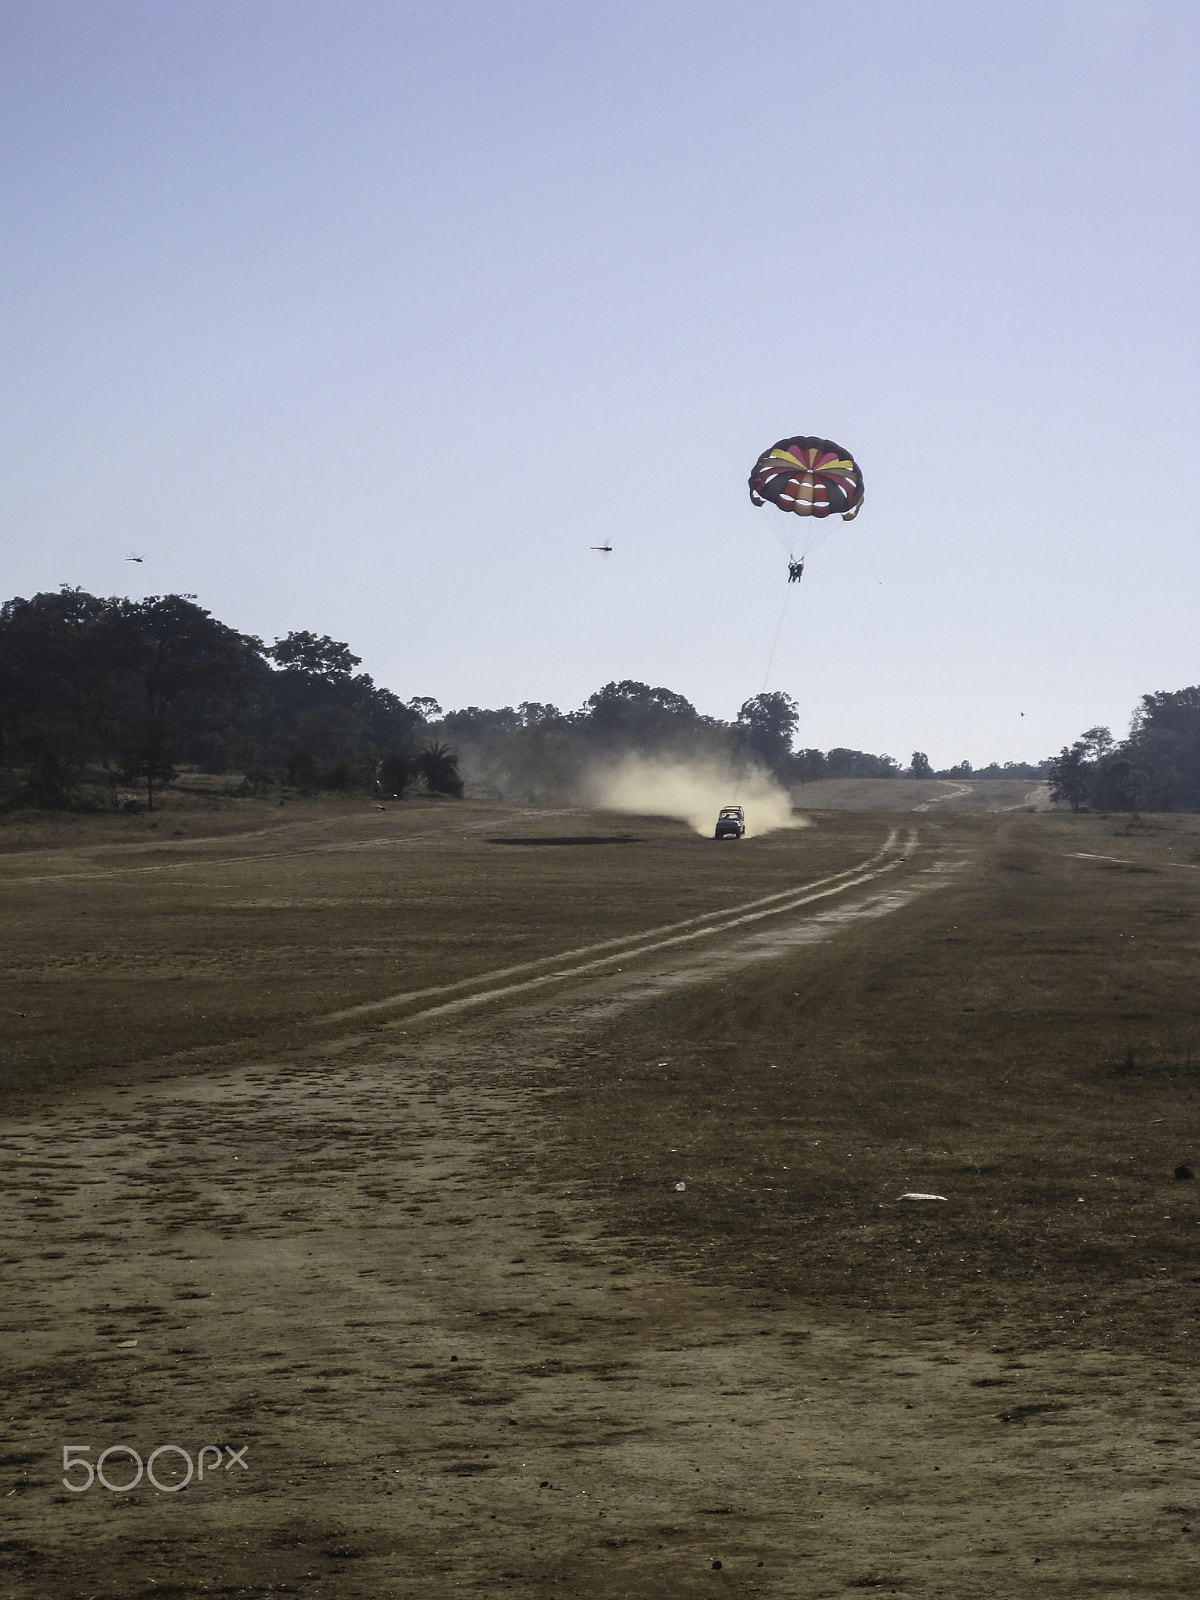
807	477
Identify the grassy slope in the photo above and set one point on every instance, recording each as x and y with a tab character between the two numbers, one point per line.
1026	1043
932	794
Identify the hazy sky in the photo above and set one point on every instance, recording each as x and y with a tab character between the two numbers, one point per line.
370	318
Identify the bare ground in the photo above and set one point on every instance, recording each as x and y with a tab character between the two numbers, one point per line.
431	1268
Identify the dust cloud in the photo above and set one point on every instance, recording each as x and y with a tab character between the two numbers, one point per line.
693	790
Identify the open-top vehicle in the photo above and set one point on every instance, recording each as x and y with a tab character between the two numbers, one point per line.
731	824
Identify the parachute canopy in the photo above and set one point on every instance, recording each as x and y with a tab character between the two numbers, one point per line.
812	477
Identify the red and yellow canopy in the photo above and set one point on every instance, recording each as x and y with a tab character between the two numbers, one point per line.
812	477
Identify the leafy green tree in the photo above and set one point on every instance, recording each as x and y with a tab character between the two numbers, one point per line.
176	649
475	725
148	751
1116	784
1069	777
768	724
632	716
386	721
536	714
331	722
1096	744
424	707
808	766
330	734
842	763
1164	743
919	766
61	689
314	657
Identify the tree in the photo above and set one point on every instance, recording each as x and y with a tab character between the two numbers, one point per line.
314	657
1095	744
536	714
438	765
1115	784
148	751
919	766
393	774
808	766
475	725
1069	776
424	707
386	722
768	725
1164	743
175	648
633	714
50	782
322	737
843	763
60	687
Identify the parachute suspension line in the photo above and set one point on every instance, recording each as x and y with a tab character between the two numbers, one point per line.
785	540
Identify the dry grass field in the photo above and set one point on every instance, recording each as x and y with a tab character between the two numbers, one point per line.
508	1202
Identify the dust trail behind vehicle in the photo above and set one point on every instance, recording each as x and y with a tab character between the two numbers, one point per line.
692	790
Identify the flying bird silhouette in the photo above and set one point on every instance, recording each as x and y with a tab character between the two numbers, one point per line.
135	558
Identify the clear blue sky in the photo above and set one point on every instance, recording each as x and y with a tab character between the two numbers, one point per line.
371	318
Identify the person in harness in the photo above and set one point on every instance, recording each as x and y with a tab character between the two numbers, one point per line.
795	571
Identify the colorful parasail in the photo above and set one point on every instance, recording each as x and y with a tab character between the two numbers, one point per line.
812	477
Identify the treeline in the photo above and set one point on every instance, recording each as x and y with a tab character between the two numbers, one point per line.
1157	768
537	752
95	691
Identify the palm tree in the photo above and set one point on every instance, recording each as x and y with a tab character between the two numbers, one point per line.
438	765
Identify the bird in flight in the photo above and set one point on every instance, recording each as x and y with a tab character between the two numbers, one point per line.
135	558
607	548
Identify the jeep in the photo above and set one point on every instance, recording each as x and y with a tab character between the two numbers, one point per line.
731	824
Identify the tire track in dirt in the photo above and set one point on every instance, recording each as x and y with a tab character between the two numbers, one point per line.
349	1027
585	960
954	791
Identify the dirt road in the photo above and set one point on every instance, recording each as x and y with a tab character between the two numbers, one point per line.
371	1279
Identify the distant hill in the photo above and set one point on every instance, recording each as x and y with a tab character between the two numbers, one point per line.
923	794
